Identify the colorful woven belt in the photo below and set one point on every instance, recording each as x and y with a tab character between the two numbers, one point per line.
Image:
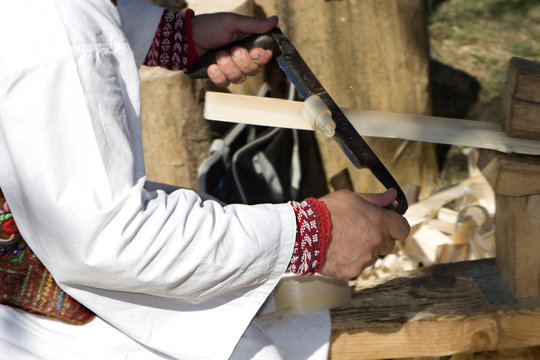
25	283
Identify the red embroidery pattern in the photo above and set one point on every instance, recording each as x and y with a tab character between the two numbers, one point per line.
312	236
10	227
173	47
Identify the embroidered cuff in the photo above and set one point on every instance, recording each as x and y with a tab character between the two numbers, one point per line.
173	47
312	236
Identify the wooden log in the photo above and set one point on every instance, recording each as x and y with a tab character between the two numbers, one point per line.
521	99
435	311
175	136
288	114
369	54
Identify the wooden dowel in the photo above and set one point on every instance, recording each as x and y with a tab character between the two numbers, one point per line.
288	114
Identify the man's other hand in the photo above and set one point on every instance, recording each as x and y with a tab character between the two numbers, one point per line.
362	229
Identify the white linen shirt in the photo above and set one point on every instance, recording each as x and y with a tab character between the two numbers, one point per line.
180	275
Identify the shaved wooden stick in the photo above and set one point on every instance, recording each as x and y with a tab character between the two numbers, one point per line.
288	114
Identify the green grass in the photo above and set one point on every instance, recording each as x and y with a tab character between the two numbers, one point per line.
480	36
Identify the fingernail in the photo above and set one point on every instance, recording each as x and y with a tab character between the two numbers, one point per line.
389	190
214	70
237	54
223	59
255	56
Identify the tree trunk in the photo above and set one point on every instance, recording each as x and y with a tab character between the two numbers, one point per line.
175	136
373	55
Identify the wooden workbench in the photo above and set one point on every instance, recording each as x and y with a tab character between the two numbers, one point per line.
434	311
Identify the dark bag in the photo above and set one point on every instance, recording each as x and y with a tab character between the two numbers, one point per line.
253	164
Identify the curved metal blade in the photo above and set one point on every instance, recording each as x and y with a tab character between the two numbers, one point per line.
352	144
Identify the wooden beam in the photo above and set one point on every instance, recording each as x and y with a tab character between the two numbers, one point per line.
434	311
523	79
520	103
288	114
521	118
510	175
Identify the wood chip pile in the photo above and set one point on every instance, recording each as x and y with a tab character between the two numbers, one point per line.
454	224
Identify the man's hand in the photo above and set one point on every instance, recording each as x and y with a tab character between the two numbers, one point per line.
211	31
361	231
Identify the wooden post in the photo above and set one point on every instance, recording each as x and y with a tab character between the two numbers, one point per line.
515	180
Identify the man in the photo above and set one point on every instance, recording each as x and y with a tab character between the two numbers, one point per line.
168	275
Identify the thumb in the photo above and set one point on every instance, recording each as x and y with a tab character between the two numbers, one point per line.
382	199
254	25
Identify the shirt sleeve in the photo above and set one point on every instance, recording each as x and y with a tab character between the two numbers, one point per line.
159	267
140	21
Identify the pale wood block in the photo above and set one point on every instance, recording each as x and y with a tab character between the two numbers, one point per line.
175	5
204	6
243	7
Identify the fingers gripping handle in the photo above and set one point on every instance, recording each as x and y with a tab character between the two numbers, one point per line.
198	70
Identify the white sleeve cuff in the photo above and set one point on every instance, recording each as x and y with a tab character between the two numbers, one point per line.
140	20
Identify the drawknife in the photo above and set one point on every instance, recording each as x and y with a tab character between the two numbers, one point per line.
309	87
